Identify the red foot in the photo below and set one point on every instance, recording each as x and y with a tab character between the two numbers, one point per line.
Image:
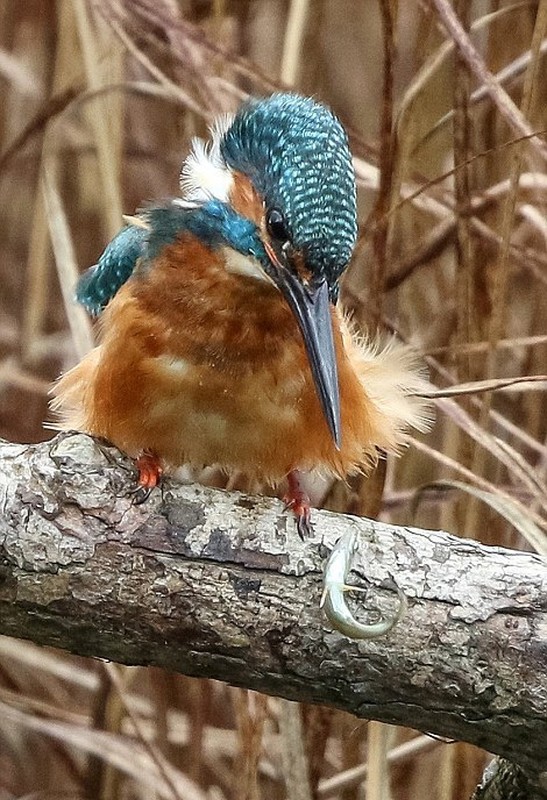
150	472
298	501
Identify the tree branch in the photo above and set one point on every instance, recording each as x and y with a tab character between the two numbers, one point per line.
216	584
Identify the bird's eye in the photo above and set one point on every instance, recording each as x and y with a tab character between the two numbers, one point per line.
276	225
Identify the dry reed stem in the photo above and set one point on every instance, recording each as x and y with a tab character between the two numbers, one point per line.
388	155
65	259
380	738
293	44
295	763
499	280
250	711
330	787
436	61
101	119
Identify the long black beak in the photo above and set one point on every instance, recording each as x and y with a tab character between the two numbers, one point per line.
311	307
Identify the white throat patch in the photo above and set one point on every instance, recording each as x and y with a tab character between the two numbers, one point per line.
249	267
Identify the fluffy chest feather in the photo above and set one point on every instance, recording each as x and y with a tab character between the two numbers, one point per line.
206	365
216	364
214	309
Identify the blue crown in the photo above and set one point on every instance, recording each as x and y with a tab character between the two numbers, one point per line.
295	151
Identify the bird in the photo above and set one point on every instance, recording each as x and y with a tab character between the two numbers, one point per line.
221	337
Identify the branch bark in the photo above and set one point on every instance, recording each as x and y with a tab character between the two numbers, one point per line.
216	584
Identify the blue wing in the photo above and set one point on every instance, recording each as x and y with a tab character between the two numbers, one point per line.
100	283
214	224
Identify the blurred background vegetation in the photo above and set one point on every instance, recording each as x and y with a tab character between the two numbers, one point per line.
99	103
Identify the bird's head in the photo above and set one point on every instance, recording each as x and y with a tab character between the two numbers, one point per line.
284	164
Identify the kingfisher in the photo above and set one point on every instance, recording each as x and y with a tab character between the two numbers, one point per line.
221	340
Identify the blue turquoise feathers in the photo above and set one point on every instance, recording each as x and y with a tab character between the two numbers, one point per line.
215	224
100	283
296	153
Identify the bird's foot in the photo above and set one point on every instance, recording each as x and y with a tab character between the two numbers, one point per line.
297	500
150	472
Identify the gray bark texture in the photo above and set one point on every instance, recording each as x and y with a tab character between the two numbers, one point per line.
219	585
504	780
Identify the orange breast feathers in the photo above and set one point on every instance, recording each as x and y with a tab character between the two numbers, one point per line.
201	362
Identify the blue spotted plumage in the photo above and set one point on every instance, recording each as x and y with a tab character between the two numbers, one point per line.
295	151
296	154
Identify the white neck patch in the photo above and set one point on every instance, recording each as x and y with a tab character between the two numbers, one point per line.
249	267
205	175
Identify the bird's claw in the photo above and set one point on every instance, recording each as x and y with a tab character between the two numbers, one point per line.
140	494
298	501
150	473
302	513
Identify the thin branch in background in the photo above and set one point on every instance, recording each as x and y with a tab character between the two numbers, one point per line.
481	347
499	96
51	109
463	189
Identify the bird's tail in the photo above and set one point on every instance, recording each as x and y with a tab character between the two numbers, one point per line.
70	393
